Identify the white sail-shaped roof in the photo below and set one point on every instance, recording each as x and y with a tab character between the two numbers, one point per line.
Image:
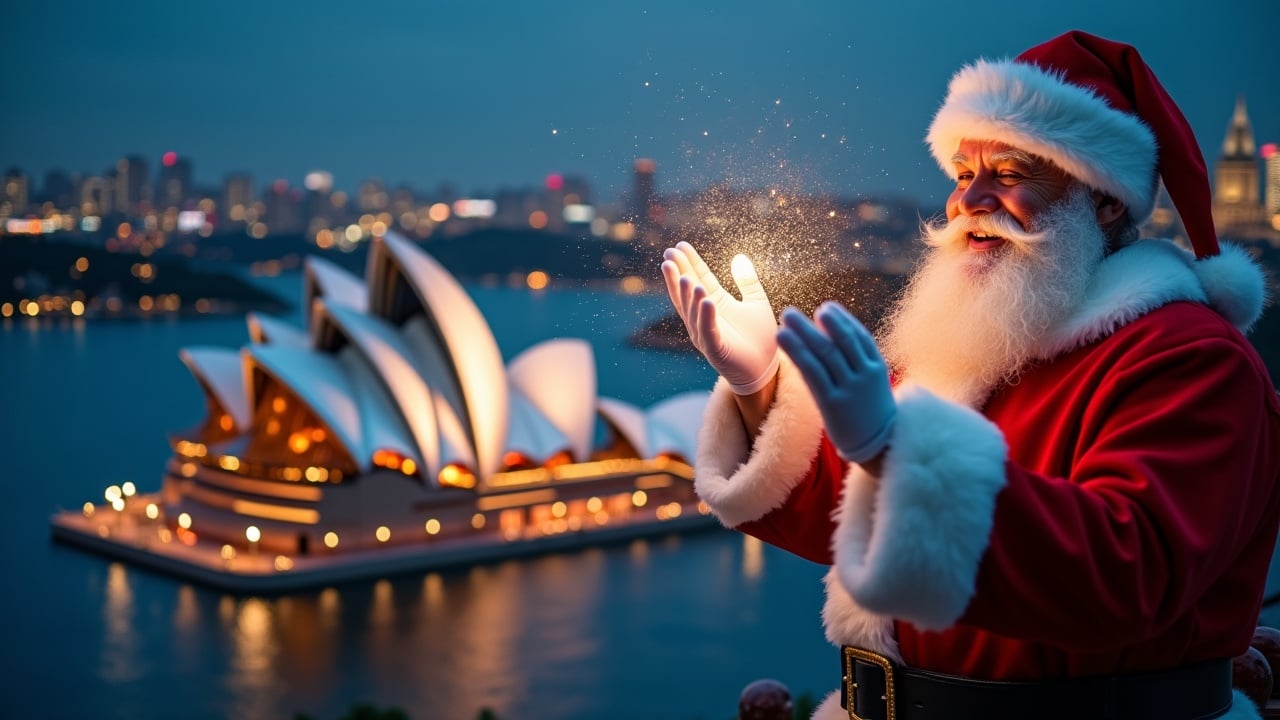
629	421
531	433
319	381
468	344
221	371
673	423
381	425
388	352
269	329
559	378
326	279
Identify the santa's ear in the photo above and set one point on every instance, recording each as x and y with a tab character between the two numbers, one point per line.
1109	208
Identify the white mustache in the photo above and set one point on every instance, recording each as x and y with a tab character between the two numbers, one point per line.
999	223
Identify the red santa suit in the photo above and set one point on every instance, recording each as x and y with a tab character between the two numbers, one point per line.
1113	511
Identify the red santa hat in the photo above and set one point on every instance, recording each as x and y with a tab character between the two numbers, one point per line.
1094	108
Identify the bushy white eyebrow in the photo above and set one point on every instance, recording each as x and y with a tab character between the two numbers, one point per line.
1013	154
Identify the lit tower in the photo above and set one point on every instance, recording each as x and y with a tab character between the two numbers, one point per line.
1235	203
645	211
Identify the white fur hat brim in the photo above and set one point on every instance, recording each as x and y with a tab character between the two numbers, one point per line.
1037	111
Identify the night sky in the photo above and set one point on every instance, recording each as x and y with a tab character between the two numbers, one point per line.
829	96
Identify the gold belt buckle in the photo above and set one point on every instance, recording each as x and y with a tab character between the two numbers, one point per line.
851	686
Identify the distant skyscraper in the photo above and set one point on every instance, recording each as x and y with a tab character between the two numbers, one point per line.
96	197
59	189
13	194
237	196
175	180
132	192
1236	205
1271	198
283	208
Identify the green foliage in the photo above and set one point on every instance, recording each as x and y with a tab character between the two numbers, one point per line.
803	706
367	711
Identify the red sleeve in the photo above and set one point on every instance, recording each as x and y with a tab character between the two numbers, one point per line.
804	523
1171	497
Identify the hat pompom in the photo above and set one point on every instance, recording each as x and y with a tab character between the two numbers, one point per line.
1235	284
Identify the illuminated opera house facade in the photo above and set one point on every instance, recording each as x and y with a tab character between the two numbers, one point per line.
390	435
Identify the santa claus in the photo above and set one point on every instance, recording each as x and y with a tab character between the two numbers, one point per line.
1048	486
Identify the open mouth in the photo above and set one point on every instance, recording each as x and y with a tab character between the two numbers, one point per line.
984	241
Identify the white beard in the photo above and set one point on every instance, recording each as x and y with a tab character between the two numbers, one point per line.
969	320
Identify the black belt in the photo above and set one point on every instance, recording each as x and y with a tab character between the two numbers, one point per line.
884	690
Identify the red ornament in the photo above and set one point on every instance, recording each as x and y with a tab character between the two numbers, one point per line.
1267	641
1251	675
765	700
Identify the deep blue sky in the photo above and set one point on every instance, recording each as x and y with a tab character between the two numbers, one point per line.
493	94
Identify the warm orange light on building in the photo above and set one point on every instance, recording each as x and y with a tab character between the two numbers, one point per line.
438	212
299	442
455	475
432	526
408	467
226	423
537	219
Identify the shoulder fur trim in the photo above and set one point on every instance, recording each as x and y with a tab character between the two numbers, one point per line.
1037	111
741	485
1150	274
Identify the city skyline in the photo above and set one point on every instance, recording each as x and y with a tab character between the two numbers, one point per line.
833	100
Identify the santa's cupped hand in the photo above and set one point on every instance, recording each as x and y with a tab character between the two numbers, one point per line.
738	337
847	376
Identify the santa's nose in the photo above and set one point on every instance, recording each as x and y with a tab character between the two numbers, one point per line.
978	198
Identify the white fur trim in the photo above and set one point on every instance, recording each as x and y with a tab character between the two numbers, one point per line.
741	484
1242	708
1235	284
1038	111
1150	274
908	544
846	623
1129	283
830	708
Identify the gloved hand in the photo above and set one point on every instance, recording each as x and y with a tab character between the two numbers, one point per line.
738	337
847	376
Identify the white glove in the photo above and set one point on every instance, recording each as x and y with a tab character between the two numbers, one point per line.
738	337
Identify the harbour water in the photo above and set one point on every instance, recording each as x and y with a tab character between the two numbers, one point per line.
670	627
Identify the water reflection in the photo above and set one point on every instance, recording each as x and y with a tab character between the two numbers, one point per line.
120	661
752	558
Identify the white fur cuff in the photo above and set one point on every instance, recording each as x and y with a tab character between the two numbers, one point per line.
739	488
908	544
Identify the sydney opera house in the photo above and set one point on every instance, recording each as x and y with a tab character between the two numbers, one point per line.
389	435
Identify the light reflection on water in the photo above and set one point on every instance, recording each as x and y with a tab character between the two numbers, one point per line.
558	633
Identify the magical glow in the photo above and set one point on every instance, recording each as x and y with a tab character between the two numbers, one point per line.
742	266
